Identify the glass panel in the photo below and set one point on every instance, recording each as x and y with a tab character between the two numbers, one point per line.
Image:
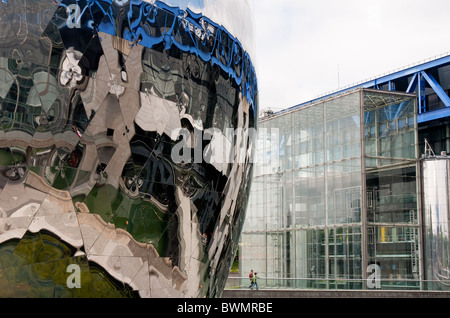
389	128
396	251
394	194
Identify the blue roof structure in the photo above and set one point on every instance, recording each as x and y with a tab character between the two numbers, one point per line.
425	78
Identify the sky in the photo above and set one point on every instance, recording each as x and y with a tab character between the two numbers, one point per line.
305	49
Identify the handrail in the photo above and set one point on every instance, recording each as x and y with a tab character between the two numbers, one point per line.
344	280
334	279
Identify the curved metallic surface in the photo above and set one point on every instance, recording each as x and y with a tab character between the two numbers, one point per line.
436	199
125	146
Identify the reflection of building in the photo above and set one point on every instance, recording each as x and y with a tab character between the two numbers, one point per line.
337	186
93	97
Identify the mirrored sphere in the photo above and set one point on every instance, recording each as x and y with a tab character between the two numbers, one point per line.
126	142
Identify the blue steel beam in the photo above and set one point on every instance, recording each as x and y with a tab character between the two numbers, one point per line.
437	88
413	84
433	115
421	94
412	71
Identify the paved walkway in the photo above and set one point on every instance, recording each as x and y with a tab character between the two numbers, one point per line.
276	293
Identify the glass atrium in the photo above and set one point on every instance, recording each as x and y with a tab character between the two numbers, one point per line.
334	197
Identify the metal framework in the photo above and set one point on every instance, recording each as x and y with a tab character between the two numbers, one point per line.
418	78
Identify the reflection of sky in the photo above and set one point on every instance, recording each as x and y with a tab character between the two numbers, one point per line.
194	5
234	15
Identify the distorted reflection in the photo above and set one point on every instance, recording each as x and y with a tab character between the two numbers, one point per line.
92	94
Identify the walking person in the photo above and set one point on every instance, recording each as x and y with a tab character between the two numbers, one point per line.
254	282
250	276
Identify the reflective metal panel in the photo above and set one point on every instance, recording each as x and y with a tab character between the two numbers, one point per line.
436	195
125	146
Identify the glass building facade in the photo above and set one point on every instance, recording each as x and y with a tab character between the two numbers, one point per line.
334	198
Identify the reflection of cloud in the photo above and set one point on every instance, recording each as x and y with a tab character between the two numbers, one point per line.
71	71
157	114
234	15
